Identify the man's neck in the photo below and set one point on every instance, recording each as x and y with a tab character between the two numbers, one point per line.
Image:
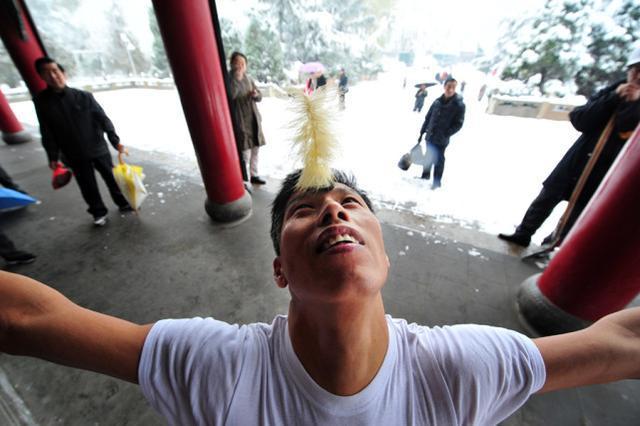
341	346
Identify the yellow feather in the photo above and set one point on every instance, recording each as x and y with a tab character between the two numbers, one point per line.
314	138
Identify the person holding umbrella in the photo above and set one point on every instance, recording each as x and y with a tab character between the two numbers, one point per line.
420	95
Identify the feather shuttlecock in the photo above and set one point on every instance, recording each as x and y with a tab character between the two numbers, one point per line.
314	138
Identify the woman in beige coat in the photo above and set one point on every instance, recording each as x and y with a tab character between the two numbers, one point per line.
247	121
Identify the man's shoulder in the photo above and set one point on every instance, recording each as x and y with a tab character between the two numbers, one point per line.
79	93
459	100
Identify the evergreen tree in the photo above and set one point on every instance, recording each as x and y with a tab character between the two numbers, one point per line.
62	42
231	37
159	60
548	45
263	51
123	54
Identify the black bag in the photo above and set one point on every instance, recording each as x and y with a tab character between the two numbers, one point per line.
415	155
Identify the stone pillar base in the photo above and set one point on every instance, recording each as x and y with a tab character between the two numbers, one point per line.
541	315
231	213
16	138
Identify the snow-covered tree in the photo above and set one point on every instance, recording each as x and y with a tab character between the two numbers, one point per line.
263	52
548	45
231	37
159	60
612	37
581	42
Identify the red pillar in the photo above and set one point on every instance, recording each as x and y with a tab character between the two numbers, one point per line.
12	131
597	269
20	40
188	35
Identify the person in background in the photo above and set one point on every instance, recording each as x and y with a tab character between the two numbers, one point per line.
343	87
247	122
621	101
445	118
72	125
421	94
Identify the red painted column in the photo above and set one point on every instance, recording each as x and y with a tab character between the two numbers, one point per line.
23	46
12	131
188	35
597	269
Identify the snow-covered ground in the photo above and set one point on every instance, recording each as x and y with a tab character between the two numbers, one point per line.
495	164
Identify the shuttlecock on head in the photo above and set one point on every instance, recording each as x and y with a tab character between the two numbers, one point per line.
314	138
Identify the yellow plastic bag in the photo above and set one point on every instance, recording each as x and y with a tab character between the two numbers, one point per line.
129	179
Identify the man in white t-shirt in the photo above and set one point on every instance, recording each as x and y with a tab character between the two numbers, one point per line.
336	358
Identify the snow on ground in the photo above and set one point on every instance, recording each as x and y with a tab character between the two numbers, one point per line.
494	168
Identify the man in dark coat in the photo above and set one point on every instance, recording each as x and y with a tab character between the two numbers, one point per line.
445	118
621	101
72	125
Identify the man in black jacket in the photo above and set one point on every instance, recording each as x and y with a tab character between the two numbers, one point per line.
72	125
621	101
445	117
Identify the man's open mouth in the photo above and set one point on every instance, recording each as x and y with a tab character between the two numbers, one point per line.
337	237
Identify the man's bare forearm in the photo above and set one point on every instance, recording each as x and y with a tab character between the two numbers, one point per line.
38	321
607	351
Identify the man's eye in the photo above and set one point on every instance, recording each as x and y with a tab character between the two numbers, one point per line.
301	207
351	200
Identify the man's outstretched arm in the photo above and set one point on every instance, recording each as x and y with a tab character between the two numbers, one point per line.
607	351
38	321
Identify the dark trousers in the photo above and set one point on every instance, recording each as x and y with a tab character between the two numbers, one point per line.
6	181
86	178
6	245
543	206
539	211
434	157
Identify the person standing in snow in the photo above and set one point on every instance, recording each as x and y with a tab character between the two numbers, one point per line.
247	123
343	87
420	95
620	100
445	118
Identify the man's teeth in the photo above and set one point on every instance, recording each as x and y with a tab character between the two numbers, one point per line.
340	239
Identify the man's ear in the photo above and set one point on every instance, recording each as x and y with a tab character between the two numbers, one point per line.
278	274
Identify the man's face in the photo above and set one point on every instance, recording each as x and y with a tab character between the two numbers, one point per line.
450	89
331	247
53	76
633	74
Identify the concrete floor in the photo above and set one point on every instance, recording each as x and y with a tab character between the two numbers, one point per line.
172	261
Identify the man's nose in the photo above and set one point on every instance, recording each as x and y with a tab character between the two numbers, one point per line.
333	212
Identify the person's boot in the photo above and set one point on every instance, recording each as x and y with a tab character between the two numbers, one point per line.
516	238
19	257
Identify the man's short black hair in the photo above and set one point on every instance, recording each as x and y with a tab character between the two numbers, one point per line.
41	62
449	80
235	54
288	188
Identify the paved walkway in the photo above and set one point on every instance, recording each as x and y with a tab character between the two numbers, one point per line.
172	261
